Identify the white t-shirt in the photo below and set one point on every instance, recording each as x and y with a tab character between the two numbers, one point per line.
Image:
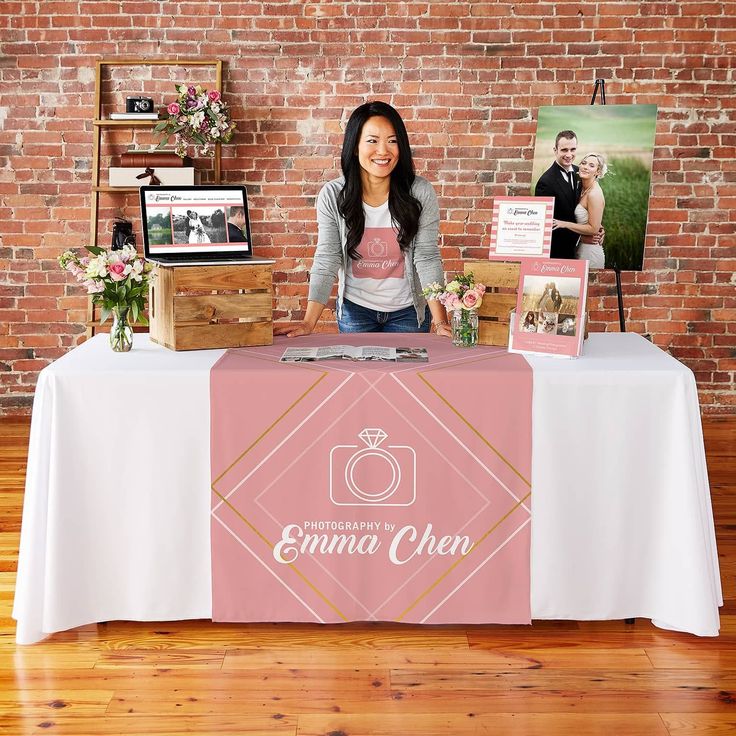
378	280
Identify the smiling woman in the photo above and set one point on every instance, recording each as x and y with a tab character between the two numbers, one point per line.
378	233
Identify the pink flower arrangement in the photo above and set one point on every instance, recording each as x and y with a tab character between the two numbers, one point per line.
116	279
460	293
198	118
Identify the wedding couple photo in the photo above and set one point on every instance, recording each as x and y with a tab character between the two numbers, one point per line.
596	161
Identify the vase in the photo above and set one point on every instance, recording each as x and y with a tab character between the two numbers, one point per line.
121	333
465	328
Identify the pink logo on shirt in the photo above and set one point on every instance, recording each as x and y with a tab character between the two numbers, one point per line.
381	255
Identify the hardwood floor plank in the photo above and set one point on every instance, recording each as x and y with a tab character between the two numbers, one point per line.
700	724
472	723
133	725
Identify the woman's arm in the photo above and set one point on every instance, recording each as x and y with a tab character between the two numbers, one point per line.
325	267
427	260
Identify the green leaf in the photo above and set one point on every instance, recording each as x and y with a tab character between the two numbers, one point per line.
95	250
134	312
105	313
142	319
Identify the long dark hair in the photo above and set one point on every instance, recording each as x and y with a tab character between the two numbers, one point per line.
404	208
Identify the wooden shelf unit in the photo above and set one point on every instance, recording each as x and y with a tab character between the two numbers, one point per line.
100	124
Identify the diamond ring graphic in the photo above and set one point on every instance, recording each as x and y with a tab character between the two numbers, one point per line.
370	474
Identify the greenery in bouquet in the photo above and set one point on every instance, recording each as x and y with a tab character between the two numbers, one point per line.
460	293
198	118
115	279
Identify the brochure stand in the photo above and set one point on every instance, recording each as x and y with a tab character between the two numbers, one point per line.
600	84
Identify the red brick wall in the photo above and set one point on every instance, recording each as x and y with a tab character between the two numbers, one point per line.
467	76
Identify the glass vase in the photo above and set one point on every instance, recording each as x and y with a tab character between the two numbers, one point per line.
121	333
465	328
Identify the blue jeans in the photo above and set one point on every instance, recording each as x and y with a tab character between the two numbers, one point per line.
354	318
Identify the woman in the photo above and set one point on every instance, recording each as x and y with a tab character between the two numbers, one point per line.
378	227
197	233
589	211
551	299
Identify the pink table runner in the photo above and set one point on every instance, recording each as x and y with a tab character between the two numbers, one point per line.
371	491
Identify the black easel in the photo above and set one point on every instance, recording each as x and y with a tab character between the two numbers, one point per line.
600	84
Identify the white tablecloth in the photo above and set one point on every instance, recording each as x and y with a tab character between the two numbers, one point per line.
116	518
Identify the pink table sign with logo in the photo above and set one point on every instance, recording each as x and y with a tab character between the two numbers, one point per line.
521	227
371	491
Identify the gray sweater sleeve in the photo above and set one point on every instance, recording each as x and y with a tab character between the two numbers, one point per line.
328	257
427	259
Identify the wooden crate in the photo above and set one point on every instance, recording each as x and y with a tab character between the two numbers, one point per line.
200	307
501	279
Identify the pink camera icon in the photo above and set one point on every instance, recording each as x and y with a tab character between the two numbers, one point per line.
371	475
377	248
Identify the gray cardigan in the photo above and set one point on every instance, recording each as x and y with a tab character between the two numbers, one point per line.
423	260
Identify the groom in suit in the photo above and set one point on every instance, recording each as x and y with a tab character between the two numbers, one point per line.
561	182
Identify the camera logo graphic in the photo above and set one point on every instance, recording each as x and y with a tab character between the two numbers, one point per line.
371	475
377	248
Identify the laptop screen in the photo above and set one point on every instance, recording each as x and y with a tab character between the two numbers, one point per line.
182	223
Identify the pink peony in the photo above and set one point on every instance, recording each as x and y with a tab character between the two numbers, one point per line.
471	299
173	108
214	95
117	271
452	302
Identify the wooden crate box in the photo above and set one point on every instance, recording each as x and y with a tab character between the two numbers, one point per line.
493	314
206	307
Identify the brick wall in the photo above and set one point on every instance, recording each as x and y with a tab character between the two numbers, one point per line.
468	78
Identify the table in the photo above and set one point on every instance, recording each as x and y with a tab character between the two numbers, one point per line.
116	518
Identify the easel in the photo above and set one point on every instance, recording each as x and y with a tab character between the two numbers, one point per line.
600	84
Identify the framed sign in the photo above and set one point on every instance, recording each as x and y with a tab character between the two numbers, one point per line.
521	227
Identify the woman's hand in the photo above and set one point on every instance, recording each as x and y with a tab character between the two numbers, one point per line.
558	224
442	329
292	329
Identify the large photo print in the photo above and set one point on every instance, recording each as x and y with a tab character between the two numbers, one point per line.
596	161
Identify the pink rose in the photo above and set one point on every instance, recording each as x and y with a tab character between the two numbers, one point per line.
173	108
471	299
117	271
214	95
480	288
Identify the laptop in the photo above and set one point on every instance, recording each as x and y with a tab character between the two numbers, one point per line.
196	225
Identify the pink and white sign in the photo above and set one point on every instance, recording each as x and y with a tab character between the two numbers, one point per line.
360	491
521	227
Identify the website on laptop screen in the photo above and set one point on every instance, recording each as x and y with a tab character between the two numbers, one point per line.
203	221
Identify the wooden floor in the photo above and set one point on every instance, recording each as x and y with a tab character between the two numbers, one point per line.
551	679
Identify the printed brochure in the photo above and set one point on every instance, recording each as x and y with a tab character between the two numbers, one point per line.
352	352
550	307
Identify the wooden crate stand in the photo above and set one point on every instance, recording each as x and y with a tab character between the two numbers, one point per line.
493	314
206	307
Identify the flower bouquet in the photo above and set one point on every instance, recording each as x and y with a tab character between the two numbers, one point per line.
461	297
198	117
116	279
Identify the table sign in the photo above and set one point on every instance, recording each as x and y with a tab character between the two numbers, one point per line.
521	227
417	505
550	307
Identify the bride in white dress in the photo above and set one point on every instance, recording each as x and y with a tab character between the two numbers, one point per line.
197	233
589	211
